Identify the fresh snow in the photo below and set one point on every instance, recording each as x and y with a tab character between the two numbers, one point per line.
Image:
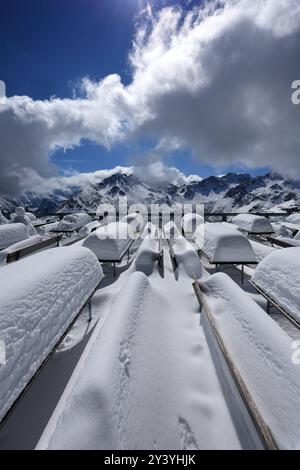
223	244
146	380
147	255
3	219
19	245
253	223
39	298
171	230
87	229
261	250
110	241
278	275
187	258
262	354
293	219
190	222
135	220
12	233
74	221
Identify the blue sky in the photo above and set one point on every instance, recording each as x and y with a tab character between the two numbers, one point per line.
48	45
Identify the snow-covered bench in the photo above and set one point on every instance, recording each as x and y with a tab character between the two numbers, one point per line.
283	242
253	224
110	243
72	223
223	245
29	246
277	278
186	256
147	255
12	233
40	298
257	352
171	231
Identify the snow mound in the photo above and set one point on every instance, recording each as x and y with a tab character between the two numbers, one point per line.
262	353
150	229
187	258
293	219
260	250
190	222
12	233
90	409
136	220
278	275
86	229
171	231
3	219
40	296
253	223
74	221
147	255
30	216
110	241
223	244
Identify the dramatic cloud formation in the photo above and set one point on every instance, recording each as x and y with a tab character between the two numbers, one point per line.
216	80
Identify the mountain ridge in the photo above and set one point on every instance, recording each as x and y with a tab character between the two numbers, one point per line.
229	192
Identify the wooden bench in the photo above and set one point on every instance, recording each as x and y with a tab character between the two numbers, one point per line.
278	242
28	250
261	426
273	303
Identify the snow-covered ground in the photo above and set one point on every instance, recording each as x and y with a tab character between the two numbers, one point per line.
145	372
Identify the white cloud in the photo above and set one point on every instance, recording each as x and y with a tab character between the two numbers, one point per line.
216	80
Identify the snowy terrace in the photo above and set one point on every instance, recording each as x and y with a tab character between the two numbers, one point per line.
141	368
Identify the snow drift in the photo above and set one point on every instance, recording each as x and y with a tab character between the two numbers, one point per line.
278	275
39	298
262	354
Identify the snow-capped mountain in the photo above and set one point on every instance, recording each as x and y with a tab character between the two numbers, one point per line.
233	191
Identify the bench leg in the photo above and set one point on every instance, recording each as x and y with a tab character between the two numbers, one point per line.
90	310
268	307
114	269
242	274
128	255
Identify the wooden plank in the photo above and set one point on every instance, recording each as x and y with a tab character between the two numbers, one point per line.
258	421
281	243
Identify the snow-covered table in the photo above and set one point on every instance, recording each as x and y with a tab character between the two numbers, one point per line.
253	224
277	278
224	245
110	243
